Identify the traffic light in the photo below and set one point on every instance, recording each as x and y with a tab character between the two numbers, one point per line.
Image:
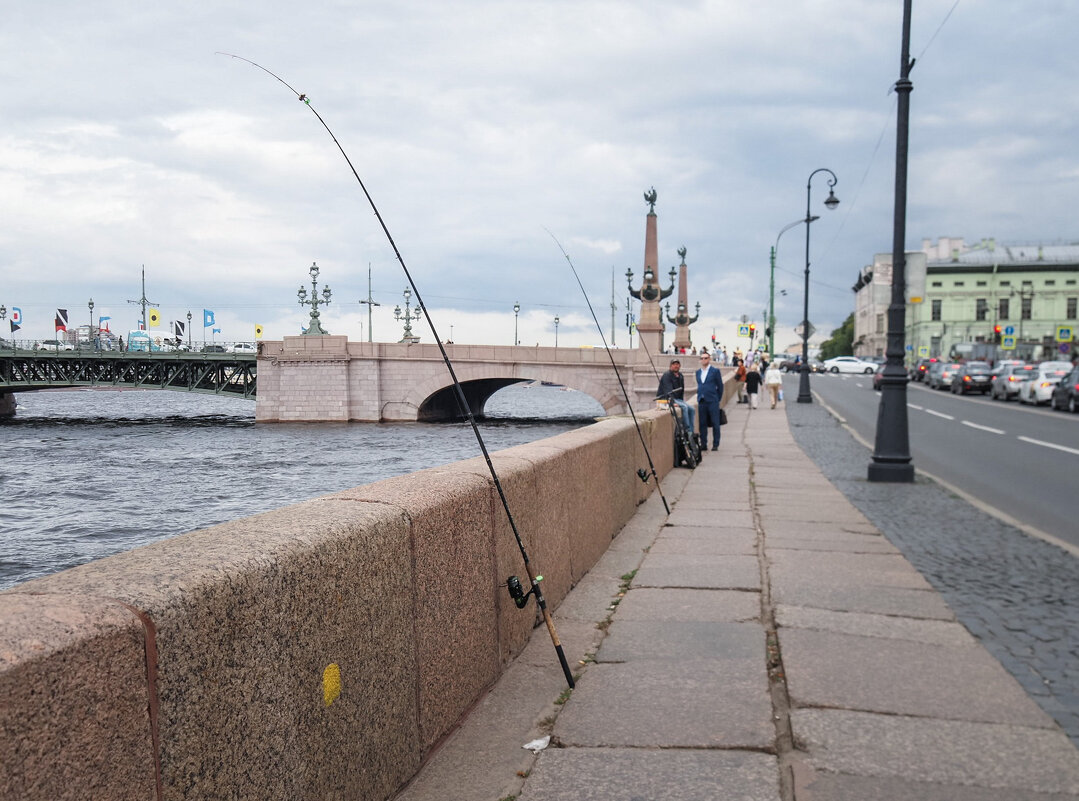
996	334
752	331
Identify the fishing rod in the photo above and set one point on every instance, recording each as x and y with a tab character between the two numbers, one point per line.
513	584
641	472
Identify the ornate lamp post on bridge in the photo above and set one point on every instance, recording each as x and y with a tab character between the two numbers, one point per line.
556	330
90	330
516	310
408	317
831	202
189	331
313	327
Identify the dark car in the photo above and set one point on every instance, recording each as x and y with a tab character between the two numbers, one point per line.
1066	393
213	349
921	370
973	377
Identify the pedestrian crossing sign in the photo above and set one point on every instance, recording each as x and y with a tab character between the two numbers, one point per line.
923	351
743	330
1007	342
1064	333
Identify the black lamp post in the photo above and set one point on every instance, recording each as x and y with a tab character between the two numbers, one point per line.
90	330
516	310
556	330
891	452
832	201
189	331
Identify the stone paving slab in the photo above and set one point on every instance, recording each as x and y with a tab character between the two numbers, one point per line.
629	640
860	788
882	570
705	572
826	669
874	600
651	604
934	632
688	703
592	593
849	543
705	542
938	751
579	638
802	528
633	774
709	518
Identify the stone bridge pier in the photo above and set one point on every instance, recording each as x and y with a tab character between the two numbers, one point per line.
328	378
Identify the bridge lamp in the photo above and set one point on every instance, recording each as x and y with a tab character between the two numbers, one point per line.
90	331
516	311
189	330
556	330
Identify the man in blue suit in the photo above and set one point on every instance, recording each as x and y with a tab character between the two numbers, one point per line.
709	394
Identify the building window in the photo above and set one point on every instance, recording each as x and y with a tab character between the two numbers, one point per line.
880	323
1070	282
938	283
1070	312
936	310
1002	311
980	283
1024	313
1005	283
1050	283
981	310
959	283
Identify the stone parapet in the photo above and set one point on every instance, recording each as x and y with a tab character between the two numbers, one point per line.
317	651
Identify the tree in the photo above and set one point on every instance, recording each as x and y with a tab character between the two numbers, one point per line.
841	343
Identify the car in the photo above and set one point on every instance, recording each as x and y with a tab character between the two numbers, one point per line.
921	369
1037	385
942	374
54	345
1066	392
877	376
242	347
973	377
213	349
1005	384
849	364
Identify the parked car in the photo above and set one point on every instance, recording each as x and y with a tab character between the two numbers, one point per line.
942	374
1005	384
54	345
242	347
1066	392
849	364
921	369
1037	385
973	377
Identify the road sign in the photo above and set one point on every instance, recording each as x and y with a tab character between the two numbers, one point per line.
1064	333
1065	347
798	330
1007	342
923	351
1009	329
743	330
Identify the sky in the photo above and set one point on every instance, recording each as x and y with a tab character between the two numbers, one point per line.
127	141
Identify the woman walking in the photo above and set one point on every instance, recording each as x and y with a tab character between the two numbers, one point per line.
753	385
774	381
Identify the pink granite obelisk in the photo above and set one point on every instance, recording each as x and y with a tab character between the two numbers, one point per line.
650	321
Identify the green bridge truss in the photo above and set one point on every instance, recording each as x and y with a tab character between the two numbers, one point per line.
225	374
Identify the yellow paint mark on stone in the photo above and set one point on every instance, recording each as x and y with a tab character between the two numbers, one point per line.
331	683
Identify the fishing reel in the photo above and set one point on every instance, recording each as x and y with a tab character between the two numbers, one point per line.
642	474
517	593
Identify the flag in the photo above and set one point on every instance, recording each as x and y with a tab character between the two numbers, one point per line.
258	332
216	331
16	319
179	328
103	323
155	318
14	326
61	320
207	318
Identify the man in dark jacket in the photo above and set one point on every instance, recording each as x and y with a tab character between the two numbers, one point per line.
672	385
709	394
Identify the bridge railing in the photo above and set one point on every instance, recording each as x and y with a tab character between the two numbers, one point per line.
45	346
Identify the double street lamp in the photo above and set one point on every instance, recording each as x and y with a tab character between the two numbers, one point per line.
831	202
409	316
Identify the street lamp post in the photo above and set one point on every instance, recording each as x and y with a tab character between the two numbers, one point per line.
831	202
891	451
556	330
516	310
772	290
314	328
189	331
90	330
409	316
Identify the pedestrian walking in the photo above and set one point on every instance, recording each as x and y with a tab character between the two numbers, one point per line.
774	381
753	385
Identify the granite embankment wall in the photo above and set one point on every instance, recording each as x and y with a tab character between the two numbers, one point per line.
314	652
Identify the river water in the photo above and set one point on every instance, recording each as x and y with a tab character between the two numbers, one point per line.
89	473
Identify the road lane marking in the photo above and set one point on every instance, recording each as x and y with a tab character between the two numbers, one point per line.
981	428
912	406
1064	448
939	414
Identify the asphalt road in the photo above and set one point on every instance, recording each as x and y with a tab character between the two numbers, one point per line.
1022	461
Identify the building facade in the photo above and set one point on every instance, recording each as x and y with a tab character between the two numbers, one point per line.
964	293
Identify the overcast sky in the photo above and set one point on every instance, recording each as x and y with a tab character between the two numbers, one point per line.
126	141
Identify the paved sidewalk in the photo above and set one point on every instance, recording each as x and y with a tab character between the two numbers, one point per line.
770	644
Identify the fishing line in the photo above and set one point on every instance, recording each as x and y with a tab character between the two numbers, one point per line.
513	584
614	367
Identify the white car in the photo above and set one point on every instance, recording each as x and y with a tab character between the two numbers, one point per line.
1037	387
243	347
55	345
849	364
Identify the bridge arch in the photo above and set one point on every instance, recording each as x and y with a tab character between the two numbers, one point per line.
436	398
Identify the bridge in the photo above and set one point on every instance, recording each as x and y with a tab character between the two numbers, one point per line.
229	374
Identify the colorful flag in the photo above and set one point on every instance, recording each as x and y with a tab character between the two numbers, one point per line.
61	320
207	318
16	316
14	326
178	329
216	331
155	318
258	332
103	323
